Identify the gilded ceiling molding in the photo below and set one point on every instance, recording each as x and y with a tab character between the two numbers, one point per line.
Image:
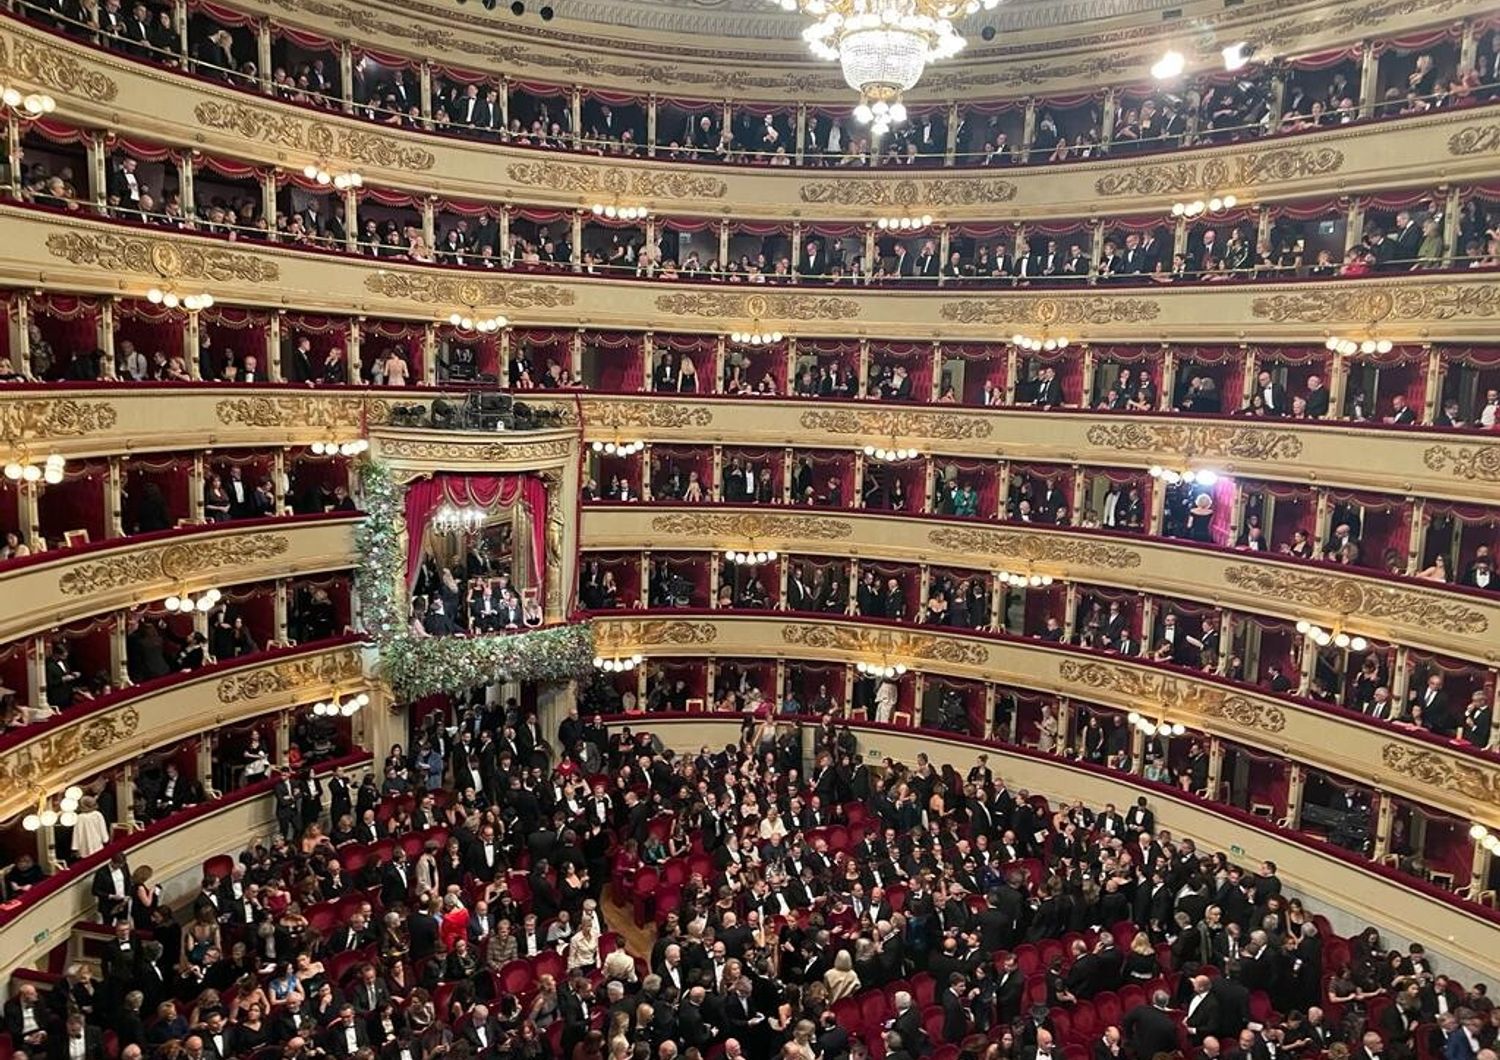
481	451
1356	599
172	562
883	191
31	420
1035	547
1045	311
1475	140
661	415
459	291
893	644
1195	439
559	175
1439	770
331	142
752	526
183	259
1246	170
36	760
1477	463
292	675
758	306
612	635
1139	687
897	423
1369	305
39	63
292	412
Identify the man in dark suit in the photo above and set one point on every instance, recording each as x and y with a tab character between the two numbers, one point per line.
956	1016
574	1009
1315	400
111	889
471	110
395	880
1407	239
1202	1017
78	1041
693	1026
908	1024
1151	1029
480	1031
814	263
346	1035
27	1019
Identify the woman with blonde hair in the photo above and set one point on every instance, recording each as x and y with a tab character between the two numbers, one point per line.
842	980
91	830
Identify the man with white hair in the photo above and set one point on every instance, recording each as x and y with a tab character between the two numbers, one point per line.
908	1024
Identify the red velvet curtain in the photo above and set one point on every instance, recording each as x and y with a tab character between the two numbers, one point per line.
620	366
407	339
983	363
151	328
70	325
424	496
75	503
915	357
983	475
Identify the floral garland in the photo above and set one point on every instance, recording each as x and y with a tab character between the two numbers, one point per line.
417	666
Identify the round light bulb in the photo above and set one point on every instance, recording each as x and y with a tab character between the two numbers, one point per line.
31	822
49	817
68	818
310	172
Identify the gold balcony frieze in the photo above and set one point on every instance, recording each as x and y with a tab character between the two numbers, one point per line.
1420	615
1315	736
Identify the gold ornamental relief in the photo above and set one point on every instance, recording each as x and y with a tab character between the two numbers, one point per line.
1035	548
37	760
911	192
616	180
613	635
1141	688
39	421
754	527
1047	311
49	67
1364	305
893	644
1245	170
661	415
481	452
1347	596
1441	770
292	675
758	306
1244	443
468	291
1475	140
292	412
897	423
151	257
172	562
1476	463
331	142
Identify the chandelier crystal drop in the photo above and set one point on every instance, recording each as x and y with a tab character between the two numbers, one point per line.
883	46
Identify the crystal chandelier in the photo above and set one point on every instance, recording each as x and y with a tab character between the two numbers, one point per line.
883	46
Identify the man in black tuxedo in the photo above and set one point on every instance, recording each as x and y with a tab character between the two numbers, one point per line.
395	880
78	1041
111	889
471	110
813	263
908	1024
1407	240
956	1016
1046	392
27	1019
1150	1029
346	1035
1315	401
480	1031
1202	1016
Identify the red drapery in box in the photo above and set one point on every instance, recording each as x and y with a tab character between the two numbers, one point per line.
825	467
1223	364
256	604
971	693
144	476
223	15
671	463
760	461
76	503
486	347
377	336
611	468
88	645
983	475
880	483
626	570
1041	604
1280	645
70	325
982	363
915	357
424	496
14	670
338	588
1221	527
617	355
750	366
692	568
1068	365
1384	525
237	334
150	328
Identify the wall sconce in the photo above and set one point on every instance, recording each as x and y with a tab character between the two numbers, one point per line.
26	468
1336	637
185	602
617	448
882	671
335	707
45	816
618	664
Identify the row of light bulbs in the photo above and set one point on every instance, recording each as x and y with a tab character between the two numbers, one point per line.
1032	342
1156	728
1173	63
880	115
183	603
335	707
66	814
1485	838
1323	638
452	519
618	664
888	671
621	213
1348	346
483	325
25	469
341	181
890	456
1025	581
618	448
1171	476
755	337
332	448
904	224
1215	204
193	303
750	559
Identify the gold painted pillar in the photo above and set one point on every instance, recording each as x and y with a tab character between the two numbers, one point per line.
106	337
1479	871
282	609
1454	204
1400	677
944	241
1369	79
192	341
651	117
1276	105
346	77
36	671
576	234
505	101
1168	382
801	149
1295	787
561	537
1307	663
180	23
929	492
848	703
1158	506
114	493
1012	367
1089	369
1180	236
1354	222
1065	718
351	351
853	582
721	356
268	205
187	192
98	164
28	515
1226	642
1070	612
864	367
780	684
989	730
1249	371
208	745
869	250
13	153
1028	130
198	513
716	488
424	92
1322	518
118	672
789	471
1434	385
858	500
791	364
279	480
648	362
646	480
429	222
1417	538
950	149
263	61
575	121
1078	496
715	574
1148	624
1215	768
924	583
273	349
1107	117
723	243
1003	500
997	603
505	249
1385	817
429	355
124	785
283	736
1137	750
503	369
781	583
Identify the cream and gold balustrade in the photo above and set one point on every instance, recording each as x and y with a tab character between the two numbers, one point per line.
1409	764
81	256
54	589
105	419
108	92
1408	612
48	756
1359	891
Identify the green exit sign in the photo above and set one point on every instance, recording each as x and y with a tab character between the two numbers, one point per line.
1236	849
41	936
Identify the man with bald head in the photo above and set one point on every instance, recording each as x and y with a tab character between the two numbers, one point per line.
1202	1009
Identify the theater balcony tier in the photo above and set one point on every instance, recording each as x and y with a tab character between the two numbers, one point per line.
94	736
1404	762
50	589
1361	890
175	849
1403	611
89	257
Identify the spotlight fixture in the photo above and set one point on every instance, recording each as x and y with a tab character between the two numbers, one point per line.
1025	581
171	298
885	671
24	468
337	707
1034	343
618	664
891	455
1169	66
756	336
751	558
341	181
1172	477
617	448
616	212
1237	56
44	816
1212	205
1366	346
185	602
332	448
904	224
1338	638
1156	727
457	519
